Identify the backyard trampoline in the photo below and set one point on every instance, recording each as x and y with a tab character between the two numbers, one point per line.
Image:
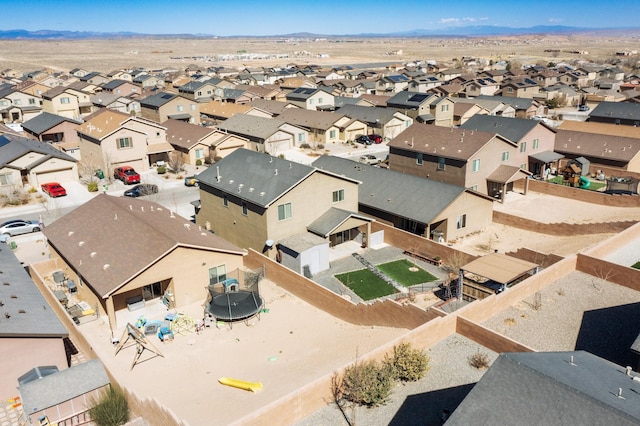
229	302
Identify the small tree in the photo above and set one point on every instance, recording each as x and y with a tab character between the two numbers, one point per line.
407	363
112	409
176	162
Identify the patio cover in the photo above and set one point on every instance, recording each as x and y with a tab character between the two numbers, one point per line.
547	156
331	220
499	267
183	116
156	148
505	174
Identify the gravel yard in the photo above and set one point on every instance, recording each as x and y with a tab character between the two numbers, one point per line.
576	312
446	384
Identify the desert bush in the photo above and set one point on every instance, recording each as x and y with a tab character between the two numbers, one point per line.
367	383
161	170
407	363
15	196
92	186
112	409
198	162
320	146
479	360
176	162
305	146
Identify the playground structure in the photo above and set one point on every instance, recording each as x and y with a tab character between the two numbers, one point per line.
229	301
141	342
241	384
573	174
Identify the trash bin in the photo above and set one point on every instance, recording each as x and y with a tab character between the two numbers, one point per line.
100	174
13	245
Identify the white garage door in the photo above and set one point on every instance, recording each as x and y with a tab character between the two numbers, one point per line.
64	175
278	146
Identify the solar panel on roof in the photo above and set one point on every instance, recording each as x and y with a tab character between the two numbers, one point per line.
418	98
167	96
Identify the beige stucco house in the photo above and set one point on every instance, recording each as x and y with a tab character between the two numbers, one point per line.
191	141
29	162
255	200
17	106
162	106
110	138
121	251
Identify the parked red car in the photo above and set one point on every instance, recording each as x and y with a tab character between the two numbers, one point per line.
376	138
54	189
126	174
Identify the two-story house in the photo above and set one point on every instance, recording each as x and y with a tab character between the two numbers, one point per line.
121	88
535	140
271	135
312	98
55	129
624	113
18	106
423	107
462	157
258	201
385	122
110	138
162	106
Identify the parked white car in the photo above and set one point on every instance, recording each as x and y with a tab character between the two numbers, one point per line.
370	159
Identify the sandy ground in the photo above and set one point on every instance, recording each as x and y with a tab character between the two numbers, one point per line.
292	345
547	209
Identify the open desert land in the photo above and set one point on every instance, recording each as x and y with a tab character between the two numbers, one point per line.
106	55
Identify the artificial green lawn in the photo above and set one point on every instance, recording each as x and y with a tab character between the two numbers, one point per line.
366	284
594	186
400	273
636	265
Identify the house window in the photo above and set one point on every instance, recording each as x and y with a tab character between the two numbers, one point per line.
245	209
180	108
419	159
462	221
32	101
509	90
523	166
199	153
474	187
17	102
6	179
332	134
199	93
444	108
475	166
284	211
523	147
440	163
301	137
217	274
193	107
535	143
225	201
338	195
505	156
310	101
65	100
4	103
124	143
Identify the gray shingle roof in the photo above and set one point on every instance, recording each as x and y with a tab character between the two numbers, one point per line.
407	99
13	147
157	100
514	129
45	121
255	177
612	110
330	220
546	388
403	195
371	115
62	386
21	294
251	126
517	103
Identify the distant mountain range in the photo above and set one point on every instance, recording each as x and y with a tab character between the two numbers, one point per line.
467	31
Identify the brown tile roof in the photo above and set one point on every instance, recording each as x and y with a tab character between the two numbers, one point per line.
185	135
308	118
102	123
449	142
110	240
223	109
610	147
601	128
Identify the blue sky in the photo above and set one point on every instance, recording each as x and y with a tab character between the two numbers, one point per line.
249	17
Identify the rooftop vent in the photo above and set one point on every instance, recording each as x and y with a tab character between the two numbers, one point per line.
93	254
105	266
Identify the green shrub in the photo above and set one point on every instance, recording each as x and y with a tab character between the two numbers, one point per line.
92	186
112	409
305	146
32	190
320	146
367	383
161	170
198	162
407	364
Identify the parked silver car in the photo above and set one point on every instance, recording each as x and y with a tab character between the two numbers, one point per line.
17	227
369	159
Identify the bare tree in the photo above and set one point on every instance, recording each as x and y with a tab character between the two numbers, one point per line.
176	162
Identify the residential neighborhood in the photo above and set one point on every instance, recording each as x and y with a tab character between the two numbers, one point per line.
194	234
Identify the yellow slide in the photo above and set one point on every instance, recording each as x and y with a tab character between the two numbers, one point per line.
240	384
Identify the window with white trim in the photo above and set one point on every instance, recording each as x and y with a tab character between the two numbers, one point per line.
441	163
338	195
124	143
475	166
65	100
462	221
419	159
6	179
217	274
284	211
535	143
505	156
523	147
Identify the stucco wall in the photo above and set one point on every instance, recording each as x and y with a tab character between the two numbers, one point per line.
578	194
560	228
